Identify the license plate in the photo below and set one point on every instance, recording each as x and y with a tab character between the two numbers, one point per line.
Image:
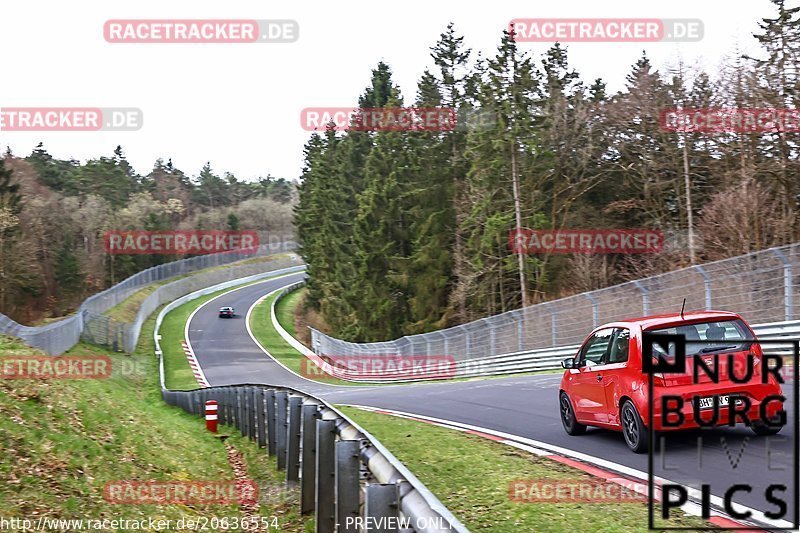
708	403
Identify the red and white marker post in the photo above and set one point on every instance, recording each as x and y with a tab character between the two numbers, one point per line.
211	416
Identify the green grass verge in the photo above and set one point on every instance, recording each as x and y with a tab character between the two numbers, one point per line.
271	340
126	310
63	440
285	309
471	476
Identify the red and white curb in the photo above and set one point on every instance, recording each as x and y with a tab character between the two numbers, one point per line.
194	365
624	476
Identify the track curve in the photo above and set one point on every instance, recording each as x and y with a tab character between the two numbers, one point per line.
526	406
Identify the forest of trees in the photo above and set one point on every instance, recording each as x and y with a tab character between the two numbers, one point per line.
406	232
54	213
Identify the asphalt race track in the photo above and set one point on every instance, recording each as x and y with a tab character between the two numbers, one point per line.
526	406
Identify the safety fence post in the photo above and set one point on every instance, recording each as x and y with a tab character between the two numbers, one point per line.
281	406
261	416
308	462
293	440
325	516
380	507
252	393
272	440
347	483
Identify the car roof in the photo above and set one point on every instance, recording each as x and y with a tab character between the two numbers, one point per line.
649	322
226	307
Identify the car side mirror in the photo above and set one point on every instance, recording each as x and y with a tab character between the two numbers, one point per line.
568	363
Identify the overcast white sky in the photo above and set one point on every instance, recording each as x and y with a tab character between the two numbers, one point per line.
238	105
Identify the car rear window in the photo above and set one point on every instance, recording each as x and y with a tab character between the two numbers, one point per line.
715	336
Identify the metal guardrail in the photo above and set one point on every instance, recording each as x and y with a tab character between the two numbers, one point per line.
341	469
762	286
90	323
515	362
550	359
344	474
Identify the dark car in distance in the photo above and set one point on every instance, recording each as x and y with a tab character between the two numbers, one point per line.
227	312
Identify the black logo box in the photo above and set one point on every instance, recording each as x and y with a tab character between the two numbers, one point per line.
665	367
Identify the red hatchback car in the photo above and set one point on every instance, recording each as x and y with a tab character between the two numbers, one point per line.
604	384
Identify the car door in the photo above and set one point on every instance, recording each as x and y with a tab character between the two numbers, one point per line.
613	372
588	394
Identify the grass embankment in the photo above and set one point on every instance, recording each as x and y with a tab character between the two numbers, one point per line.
63	440
471	476
126	310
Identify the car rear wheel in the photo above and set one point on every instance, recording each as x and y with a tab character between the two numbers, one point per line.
633	428
571	424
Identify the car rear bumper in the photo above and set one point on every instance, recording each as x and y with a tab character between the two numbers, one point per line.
762	406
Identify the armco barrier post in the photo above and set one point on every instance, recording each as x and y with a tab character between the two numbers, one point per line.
243	394
281	406
380	506
325	516
182	401
271	438
226	407
261	416
251	413
211	415
252	418
293	440
308	463
223	406
347	483
239	410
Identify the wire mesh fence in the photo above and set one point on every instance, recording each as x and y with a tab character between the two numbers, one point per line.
761	286
92	324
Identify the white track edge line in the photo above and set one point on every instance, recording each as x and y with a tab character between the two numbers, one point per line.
191	316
